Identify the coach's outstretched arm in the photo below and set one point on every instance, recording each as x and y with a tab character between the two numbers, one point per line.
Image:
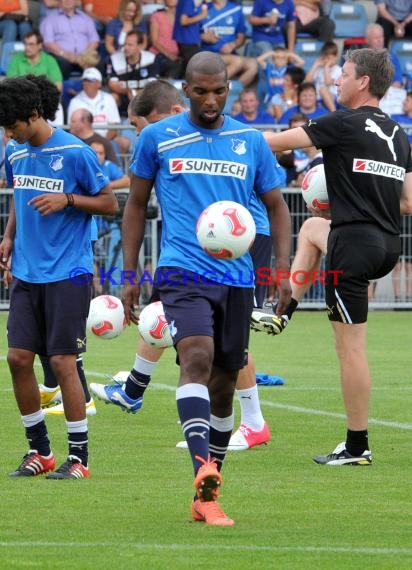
133	225
288	140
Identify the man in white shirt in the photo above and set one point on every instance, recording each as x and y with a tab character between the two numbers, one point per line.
101	104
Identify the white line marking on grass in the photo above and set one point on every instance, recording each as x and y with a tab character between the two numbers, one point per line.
235	547
297	409
314	412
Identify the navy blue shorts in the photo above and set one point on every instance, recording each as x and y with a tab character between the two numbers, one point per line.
362	253
48	318
261	252
197	308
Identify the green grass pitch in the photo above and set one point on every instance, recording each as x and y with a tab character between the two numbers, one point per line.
290	513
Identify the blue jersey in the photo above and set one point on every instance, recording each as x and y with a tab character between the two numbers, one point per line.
187	34
269	33
111	170
406	122
226	23
193	167
47	248
262	118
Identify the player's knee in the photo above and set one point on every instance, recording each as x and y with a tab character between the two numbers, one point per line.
196	361
18	359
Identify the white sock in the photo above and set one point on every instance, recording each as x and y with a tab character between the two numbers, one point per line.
250	412
144	366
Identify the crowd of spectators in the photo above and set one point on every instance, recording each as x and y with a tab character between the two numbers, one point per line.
100	54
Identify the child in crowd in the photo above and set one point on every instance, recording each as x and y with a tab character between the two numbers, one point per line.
324	72
275	64
288	98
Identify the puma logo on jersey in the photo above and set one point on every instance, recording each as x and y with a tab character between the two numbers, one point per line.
374	128
175	131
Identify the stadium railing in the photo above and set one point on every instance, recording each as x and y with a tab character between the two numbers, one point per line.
109	256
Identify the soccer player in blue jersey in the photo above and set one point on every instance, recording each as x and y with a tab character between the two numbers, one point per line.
195	159
158	100
58	185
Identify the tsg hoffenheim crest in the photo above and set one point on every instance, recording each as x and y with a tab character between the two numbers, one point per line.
238	146
56	162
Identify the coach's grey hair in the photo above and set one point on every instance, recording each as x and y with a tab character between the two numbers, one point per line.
376	64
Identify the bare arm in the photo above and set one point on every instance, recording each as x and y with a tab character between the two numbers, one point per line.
288	140
123	182
104	203
291	35
280	230
133	225
406	195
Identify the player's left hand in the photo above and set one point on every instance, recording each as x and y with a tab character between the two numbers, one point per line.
48	203
130	300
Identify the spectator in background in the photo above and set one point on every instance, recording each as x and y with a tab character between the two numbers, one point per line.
288	98
250	114
375	39
67	33
275	64
162	43
324	73
186	30
81	125
118	179
130	69
14	21
312	20
129	18
405	118
224	32
271	20
307	103
35	60
101	104
395	17
101	11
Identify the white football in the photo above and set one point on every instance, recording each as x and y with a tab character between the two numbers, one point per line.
106	317
226	230
154	327
314	189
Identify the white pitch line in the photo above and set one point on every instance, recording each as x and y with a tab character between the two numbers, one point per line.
218	547
289	408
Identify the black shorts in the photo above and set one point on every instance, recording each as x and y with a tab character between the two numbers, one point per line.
197	308
48	318
261	252
361	253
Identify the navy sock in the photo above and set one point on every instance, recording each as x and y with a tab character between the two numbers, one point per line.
291	308
220	433
50	380
38	438
357	442
78	440
193	406
82	376
136	384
